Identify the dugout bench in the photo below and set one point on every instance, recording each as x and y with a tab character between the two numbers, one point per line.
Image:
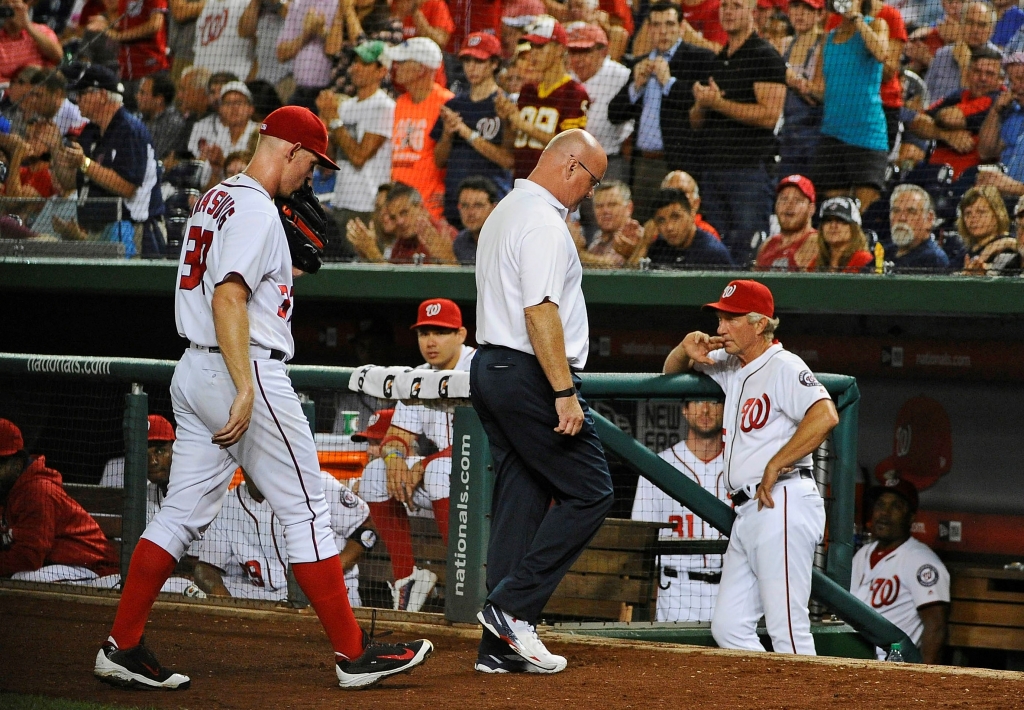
987	608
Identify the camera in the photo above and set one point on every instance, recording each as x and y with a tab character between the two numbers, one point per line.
6	12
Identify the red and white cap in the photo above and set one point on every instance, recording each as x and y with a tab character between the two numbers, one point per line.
160	429
801	183
11	441
583	35
379	423
297	124
482	46
438	312
545	29
520	13
922	447
743	296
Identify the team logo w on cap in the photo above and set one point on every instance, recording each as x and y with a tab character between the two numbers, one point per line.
297	124
482	46
439	313
545	29
743	296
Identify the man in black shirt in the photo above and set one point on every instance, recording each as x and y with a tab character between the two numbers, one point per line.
680	244
736	111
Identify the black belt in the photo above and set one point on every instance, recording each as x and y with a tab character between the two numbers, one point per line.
694	575
740	497
274	354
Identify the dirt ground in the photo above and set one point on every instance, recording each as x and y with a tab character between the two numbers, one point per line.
262	661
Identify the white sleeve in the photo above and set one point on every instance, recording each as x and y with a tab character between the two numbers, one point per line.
198	131
409	418
927	578
246	248
543	263
348	511
797	390
719	372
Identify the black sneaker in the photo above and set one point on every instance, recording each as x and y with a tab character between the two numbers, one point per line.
380	660
137	668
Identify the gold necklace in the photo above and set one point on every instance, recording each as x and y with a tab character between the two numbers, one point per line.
248	174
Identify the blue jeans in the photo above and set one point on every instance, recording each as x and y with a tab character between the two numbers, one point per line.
738	203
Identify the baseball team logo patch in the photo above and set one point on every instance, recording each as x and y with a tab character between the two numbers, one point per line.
729	290
927	576
349	500
807	379
432	309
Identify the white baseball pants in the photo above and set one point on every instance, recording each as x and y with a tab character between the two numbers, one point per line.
767	570
436	482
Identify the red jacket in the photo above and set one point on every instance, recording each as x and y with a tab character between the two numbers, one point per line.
40	524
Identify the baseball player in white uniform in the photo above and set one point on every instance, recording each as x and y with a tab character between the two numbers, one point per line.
245	554
689	583
776	415
235	406
899	576
401	481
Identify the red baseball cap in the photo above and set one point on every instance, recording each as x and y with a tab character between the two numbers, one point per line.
743	296
585	36
901	487
545	29
160	429
10	438
379	423
297	124
439	312
801	183
481	45
922	444
816	4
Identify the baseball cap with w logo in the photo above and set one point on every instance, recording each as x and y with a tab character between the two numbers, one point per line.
743	296
440	313
297	124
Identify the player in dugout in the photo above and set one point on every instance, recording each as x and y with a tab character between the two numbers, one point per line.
401	482
45	536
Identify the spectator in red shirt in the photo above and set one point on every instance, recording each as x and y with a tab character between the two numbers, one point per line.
700	26
425	18
795	247
44	534
955	121
469	16
141	32
842	245
23	42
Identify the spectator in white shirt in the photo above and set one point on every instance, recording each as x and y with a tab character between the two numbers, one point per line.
227	131
360	128
602	78
219	45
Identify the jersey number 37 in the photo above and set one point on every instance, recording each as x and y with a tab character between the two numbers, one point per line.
197	247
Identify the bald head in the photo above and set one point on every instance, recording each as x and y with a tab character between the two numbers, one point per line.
679	180
571	167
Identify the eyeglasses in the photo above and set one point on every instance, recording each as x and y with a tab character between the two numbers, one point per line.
596	182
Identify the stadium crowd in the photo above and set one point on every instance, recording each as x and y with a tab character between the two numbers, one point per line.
801	135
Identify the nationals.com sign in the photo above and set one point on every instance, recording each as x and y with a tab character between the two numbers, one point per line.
68	366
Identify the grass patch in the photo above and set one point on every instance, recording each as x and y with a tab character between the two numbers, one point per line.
12	701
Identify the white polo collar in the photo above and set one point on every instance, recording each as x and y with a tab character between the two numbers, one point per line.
535	189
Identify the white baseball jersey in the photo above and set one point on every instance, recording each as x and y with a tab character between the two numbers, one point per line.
436	420
247	540
897	583
235	228
679	597
218	47
654	505
765	401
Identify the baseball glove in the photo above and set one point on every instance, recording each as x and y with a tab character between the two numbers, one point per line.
305	225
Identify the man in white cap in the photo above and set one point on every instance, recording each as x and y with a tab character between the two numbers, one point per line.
416	111
227	131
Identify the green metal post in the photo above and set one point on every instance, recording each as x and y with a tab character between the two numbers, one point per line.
472	484
136	469
844	488
296	597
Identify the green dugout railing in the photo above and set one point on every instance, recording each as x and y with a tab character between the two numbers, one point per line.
472	474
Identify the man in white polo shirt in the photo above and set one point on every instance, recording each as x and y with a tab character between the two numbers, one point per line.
533	332
776	415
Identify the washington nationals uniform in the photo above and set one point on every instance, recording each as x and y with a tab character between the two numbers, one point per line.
435	421
246	542
767	566
235	228
898	583
688	582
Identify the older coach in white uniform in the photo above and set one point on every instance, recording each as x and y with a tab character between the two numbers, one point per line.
776	415
533	333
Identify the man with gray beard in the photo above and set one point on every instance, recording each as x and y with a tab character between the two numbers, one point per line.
911	216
